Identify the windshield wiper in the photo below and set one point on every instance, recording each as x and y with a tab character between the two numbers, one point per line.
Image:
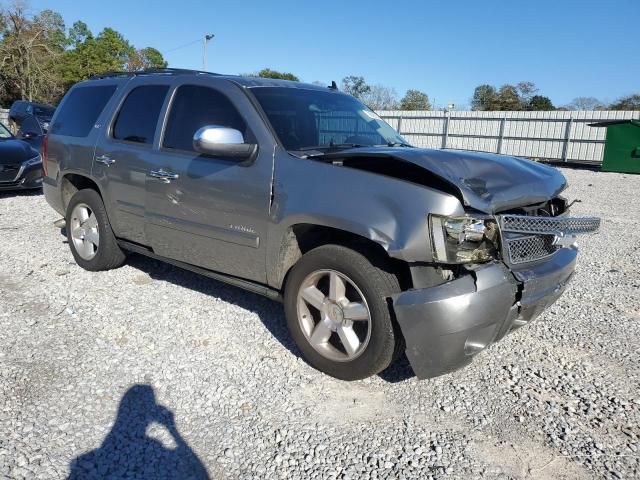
398	144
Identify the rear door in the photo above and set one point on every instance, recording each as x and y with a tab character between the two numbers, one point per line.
125	153
214	212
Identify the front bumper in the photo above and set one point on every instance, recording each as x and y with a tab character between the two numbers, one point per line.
445	326
28	178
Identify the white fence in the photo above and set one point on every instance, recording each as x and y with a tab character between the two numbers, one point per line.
557	136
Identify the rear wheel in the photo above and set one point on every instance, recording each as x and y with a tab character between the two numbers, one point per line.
92	242
337	312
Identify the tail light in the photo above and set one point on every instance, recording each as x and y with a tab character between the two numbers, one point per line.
45	144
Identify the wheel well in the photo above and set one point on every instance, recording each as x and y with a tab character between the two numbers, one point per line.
72	182
301	238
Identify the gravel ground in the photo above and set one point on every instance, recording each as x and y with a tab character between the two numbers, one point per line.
159	373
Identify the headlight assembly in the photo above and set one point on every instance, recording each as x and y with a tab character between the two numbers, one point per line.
464	239
37	160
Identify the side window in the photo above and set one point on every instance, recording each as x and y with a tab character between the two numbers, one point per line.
194	107
80	110
137	119
29	109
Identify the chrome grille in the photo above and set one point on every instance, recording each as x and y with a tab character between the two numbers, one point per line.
529	238
555	225
530	248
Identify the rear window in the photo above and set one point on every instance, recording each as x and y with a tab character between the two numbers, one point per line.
80	110
137	119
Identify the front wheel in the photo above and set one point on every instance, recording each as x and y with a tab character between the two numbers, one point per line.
338	315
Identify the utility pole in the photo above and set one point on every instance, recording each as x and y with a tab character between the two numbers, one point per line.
204	50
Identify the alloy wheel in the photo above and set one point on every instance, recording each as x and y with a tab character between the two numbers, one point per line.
84	231
333	315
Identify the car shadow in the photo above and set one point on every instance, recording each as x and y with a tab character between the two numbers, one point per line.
129	452
20	193
270	312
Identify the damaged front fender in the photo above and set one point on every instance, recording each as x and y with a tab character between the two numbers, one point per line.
388	211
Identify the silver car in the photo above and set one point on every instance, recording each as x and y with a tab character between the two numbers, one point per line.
303	194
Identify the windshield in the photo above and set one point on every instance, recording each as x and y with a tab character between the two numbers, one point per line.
43	111
315	119
4	132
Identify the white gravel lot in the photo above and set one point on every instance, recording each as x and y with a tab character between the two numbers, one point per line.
149	371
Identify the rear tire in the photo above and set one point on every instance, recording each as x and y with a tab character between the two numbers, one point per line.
328	323
91	239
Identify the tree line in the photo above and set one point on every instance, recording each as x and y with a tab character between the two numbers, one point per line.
40	58
376	97
524	96
520	97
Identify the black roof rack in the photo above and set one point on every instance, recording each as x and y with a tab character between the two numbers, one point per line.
151	71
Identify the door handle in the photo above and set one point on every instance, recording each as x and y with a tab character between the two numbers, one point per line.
163	175
105	160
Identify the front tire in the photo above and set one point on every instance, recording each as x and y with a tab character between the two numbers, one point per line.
92	242
337	312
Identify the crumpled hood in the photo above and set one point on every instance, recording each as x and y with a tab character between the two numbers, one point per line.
487	182
15	151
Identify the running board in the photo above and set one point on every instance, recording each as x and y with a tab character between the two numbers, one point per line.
254	287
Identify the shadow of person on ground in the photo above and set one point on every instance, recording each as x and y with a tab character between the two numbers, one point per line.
128	451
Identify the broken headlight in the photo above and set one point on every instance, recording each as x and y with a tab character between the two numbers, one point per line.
463	239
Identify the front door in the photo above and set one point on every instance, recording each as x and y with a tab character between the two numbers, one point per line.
210	211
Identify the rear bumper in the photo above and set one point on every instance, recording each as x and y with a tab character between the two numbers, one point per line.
446	326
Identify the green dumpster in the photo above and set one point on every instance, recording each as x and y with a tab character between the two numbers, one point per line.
622	147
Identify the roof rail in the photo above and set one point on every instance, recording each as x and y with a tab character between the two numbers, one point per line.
150	71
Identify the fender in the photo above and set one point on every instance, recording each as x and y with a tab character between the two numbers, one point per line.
391	212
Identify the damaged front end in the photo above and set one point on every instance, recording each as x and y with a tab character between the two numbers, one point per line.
510	267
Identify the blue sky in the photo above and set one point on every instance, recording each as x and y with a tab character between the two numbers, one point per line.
568	48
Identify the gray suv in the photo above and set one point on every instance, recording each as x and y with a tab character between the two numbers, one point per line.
303	194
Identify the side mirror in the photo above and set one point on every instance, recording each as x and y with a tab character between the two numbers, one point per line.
222	142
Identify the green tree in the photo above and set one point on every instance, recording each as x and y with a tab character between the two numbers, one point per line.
509	98
145	58
485	97
415	100
355	86
630	102
268	73
108	51
540	102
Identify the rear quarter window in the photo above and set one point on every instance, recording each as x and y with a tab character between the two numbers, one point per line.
80	110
